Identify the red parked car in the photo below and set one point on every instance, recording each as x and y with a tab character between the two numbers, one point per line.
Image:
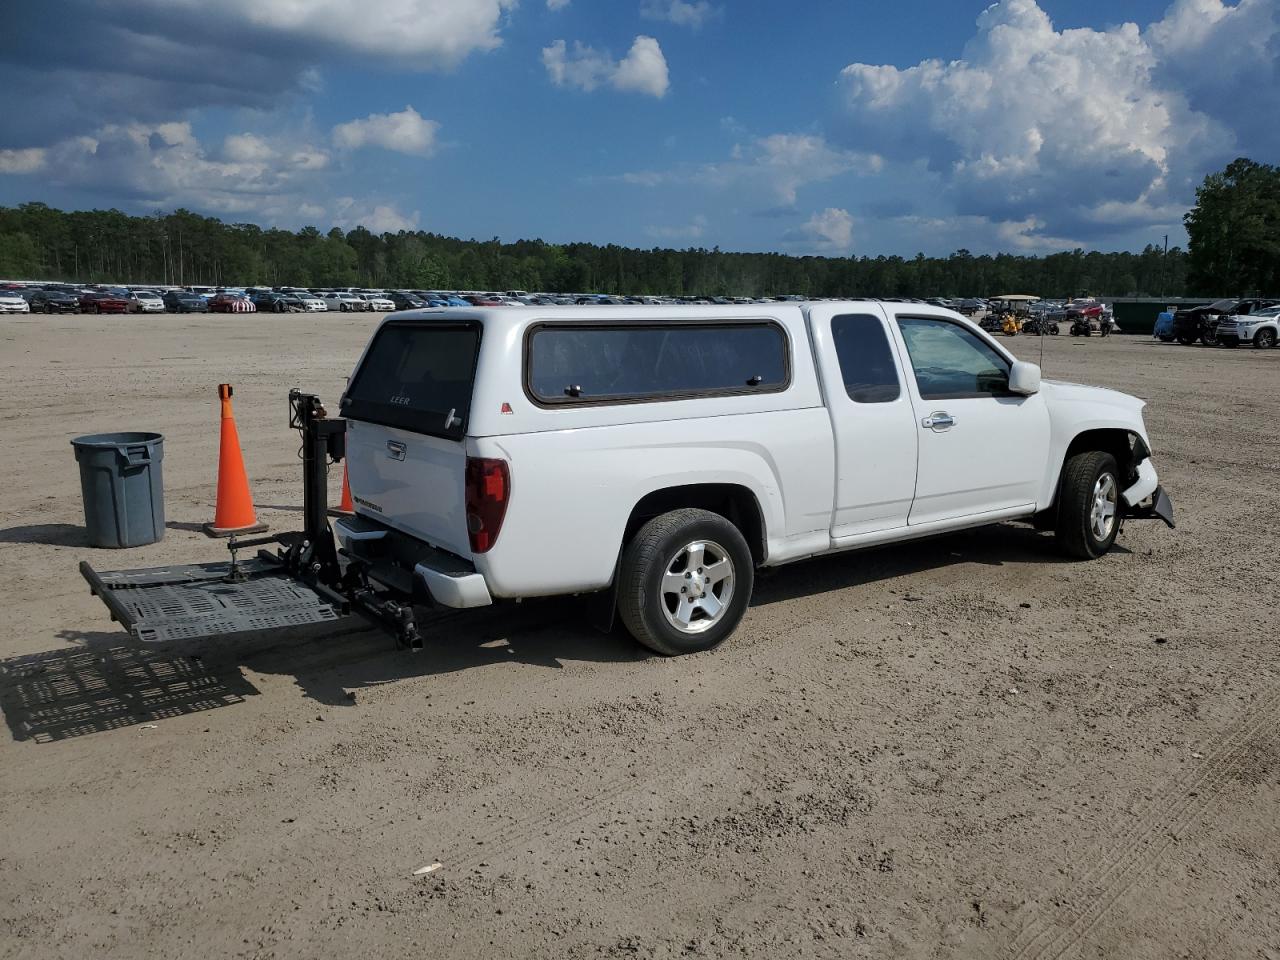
232	303
103	301
476	300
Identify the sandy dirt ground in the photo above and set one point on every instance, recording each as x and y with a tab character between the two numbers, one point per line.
965	747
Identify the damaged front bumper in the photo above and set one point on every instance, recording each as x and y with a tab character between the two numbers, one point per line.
1146	499
1159	508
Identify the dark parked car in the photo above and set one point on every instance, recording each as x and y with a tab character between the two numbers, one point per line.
103	301
1201	323
184	301
277	302
53	301
407	301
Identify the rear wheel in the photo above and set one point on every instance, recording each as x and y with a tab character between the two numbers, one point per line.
1089	505
1265	339
685	582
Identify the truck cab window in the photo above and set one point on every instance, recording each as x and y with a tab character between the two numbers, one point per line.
951	362
866	360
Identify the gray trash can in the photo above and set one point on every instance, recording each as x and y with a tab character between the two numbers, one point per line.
122	486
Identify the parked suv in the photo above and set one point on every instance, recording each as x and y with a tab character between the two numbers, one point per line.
1201	323
1262	328
663	453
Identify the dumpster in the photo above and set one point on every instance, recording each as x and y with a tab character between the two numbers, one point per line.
123	488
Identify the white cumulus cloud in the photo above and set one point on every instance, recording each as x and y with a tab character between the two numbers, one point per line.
376	218
25	160
166	165
557	4
1067	133
404	132
642	70
684	13
828	231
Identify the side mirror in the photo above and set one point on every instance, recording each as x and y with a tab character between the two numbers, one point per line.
1024	378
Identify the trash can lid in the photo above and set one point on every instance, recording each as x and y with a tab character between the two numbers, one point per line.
116	439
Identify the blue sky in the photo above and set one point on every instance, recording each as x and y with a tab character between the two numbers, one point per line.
815	126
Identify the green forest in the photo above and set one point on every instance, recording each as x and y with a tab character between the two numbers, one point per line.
1234	249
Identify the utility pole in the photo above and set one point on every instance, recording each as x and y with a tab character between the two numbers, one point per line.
1164	261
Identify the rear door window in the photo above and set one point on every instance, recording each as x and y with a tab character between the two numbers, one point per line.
417	377
866	360
603	363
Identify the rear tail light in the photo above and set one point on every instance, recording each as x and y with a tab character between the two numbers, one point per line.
488	484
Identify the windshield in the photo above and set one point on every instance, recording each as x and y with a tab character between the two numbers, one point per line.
1222	306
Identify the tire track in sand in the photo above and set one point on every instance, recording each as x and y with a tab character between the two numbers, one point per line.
1123	863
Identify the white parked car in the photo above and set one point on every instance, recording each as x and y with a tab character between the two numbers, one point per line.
339	300
12	302
664	453
148	301
1262	329
312	303
378	302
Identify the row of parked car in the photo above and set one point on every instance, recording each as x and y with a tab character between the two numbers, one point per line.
1224	323
69	298
65	298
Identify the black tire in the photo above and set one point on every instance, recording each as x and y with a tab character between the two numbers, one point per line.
1264	339
1166	338
649	557
1080	480
1186	341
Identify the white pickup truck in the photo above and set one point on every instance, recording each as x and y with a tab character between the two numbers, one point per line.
663	453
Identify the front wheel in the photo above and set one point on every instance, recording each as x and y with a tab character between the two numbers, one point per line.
685	582
1264	339
1089	505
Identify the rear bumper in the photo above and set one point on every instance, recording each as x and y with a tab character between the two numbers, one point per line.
410	566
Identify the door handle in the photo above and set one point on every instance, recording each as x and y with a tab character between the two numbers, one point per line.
939	421
396	450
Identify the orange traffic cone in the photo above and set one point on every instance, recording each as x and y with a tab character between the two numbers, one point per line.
346	507
234	513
